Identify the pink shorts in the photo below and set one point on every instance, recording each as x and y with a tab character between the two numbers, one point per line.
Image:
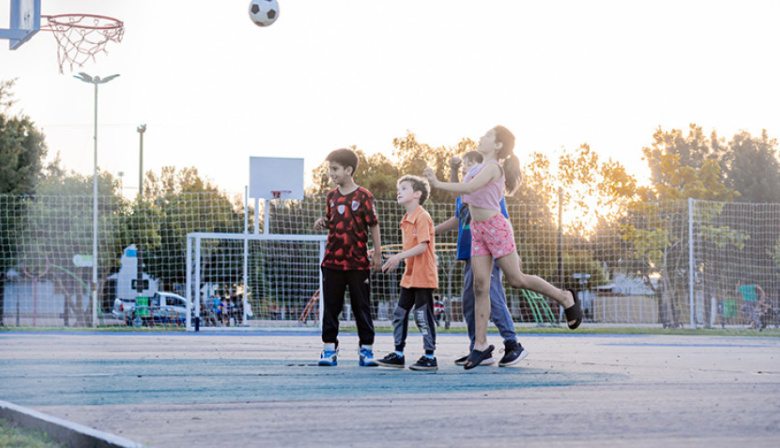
492	236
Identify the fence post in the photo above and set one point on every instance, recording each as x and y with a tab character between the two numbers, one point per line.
561	280
691	282
188	283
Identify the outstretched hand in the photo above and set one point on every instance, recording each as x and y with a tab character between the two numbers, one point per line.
430	175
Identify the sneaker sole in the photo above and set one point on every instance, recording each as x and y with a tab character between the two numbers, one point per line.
394	366
327	364
486	362
511	363
423	368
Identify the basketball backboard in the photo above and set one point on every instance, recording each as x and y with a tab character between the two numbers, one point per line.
275	178
25	21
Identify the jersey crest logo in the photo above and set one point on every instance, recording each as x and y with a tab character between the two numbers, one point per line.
341	209
355	205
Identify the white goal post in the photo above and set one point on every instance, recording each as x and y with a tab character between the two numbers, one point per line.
280	272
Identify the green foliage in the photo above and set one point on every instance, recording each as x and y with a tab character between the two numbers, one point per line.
379	174
775	254
22	148
14	436
752	167
583	261
62	211
176	200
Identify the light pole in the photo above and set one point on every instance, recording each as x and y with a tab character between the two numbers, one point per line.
95	81
141	129
139	280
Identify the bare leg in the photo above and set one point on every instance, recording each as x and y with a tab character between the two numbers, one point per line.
510	264
481	267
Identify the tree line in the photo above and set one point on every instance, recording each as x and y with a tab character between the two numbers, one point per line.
601	199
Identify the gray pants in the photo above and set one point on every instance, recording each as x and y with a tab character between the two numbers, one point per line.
499	312
422	301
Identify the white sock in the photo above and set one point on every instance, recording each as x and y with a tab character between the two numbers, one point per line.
367	347
331	347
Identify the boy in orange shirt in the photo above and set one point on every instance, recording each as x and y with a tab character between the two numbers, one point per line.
420	277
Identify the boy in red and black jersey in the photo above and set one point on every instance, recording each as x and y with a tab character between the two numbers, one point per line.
350	216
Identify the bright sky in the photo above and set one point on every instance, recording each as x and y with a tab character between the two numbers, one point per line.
214	89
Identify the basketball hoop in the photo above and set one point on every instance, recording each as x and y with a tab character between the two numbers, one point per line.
81	36
278	194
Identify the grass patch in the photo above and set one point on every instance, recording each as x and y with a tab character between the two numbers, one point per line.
16	437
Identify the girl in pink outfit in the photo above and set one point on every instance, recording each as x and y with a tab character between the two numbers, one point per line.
493	237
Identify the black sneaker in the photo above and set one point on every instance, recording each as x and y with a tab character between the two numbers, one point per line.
392	360
462	361
513	353
425	363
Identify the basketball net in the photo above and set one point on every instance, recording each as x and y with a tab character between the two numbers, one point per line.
81	36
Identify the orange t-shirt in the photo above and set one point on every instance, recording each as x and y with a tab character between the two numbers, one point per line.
420	271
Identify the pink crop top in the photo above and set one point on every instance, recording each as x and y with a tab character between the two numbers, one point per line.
489	196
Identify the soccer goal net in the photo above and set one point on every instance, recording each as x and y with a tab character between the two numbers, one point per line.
253	280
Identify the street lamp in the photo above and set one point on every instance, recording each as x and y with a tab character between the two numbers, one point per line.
95	81
141	129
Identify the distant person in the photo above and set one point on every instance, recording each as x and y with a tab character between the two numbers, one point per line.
420	276
753	298
216	309
493	237
349	217
499	313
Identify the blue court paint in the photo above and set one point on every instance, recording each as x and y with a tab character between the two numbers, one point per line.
111	382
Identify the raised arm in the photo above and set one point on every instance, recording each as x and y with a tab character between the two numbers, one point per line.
447	226
488	173
455	164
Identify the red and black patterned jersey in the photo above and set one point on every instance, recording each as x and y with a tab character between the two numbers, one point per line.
349	218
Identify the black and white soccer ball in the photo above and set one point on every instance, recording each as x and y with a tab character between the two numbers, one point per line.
263	12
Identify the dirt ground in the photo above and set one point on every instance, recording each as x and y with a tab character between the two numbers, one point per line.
264	389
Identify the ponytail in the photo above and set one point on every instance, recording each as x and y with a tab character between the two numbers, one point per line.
514	176
509	161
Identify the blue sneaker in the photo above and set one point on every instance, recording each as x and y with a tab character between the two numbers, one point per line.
329	358
366	357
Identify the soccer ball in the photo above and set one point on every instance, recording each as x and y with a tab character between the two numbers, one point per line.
263	12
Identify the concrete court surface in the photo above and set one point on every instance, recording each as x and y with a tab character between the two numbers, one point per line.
264	389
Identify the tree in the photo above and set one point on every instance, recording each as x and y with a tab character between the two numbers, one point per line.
752	168
22	149
59	226
377	173
179	199
657	224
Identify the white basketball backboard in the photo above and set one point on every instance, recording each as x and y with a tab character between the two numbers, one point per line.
275	174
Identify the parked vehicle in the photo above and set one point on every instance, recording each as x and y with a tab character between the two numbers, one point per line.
122	307
162	307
